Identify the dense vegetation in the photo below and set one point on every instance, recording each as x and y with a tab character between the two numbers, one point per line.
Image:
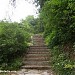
34	24
14	39
58	18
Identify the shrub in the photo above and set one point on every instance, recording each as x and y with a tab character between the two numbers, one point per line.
61	62
58	17
13	42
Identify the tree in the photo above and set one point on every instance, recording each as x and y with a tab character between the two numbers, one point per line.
40	2
37	2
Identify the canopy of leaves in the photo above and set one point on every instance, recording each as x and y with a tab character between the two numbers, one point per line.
34	25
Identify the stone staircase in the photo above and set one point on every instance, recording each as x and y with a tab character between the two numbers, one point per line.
38	55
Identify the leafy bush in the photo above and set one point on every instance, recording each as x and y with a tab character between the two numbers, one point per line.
61	62
58	17
13	42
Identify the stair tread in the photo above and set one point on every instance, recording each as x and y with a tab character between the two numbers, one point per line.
37	52
38	46
36	67
37	55
37	59
42	49
42	57
46	63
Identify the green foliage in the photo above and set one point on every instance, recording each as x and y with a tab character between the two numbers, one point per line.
38	26
13	42
61	62
15	64
59	22
33	25
58	18
29	23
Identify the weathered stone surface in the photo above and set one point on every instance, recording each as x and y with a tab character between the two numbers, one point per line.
34	72
38	55
36	61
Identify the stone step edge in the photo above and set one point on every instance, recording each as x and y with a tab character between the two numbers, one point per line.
36	59
42	56
38	49
37	55
36	62
36	67
39	46
30	54
37	52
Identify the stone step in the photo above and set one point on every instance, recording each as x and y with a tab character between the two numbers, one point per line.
40	42
38	47
36	52
38	59
36	67
37	55
37	36
37	42
38	39
34	38
39	63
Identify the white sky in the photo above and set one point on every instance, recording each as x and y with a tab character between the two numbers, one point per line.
22	10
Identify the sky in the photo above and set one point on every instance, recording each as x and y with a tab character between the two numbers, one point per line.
22	10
